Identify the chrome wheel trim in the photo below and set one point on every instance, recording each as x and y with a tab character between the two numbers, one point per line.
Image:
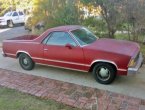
25	61
103	73
10	24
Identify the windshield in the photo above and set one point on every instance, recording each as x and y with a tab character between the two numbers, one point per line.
84	36
8	14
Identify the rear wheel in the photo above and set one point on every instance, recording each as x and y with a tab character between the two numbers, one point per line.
10	23
104	73
26	62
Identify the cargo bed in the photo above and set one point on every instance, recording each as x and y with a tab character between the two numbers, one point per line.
25	37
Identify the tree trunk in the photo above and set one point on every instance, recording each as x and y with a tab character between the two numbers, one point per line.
144	41
135	35
128	31
111	32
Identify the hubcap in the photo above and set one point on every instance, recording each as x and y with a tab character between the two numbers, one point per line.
25	61
103	73
10	24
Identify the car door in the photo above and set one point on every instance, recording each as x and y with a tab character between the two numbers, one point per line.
60	49
15	17
21	17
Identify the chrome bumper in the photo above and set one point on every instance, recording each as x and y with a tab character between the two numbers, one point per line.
3	54
133	70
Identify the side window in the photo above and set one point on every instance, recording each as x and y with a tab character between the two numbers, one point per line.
21	13
60	38
46	39
15	14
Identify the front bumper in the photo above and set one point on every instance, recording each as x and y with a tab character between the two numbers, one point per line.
3	54
133	70
3	23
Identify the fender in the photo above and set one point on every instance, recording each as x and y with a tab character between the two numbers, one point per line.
21	51
108	61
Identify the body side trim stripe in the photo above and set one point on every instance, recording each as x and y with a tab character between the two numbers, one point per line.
62	67
52	60
122	69
10	54
60	61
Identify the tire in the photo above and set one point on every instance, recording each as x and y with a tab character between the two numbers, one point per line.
104	73
26	62
22	24
10	24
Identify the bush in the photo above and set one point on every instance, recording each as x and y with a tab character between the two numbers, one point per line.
56	12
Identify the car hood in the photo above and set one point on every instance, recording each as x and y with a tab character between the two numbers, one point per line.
5	17
116	46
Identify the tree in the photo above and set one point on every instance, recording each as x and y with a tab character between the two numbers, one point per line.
12	5
110	11
4	6
56	12
133	11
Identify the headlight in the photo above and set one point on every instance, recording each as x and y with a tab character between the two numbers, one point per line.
132	63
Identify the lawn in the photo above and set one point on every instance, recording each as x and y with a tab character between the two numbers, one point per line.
14	100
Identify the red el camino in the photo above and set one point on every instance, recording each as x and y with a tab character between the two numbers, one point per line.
76	48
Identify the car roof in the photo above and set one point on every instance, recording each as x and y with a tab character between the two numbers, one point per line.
65	28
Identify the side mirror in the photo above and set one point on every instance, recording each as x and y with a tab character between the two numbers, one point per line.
69	46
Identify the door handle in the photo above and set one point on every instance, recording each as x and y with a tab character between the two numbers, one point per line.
45	49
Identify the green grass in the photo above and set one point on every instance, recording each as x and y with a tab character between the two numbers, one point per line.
121	36
125	37
13	100
142	49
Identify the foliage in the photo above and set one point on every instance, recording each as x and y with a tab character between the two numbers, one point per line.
56	12
133	12
121	15
4	6
98	26
110	13
12	5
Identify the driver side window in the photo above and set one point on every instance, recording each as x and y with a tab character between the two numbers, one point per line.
60	38
15	14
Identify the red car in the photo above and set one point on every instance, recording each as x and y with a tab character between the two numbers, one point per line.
76	48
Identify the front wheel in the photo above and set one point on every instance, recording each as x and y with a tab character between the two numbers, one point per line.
104	73
26	62
10	24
